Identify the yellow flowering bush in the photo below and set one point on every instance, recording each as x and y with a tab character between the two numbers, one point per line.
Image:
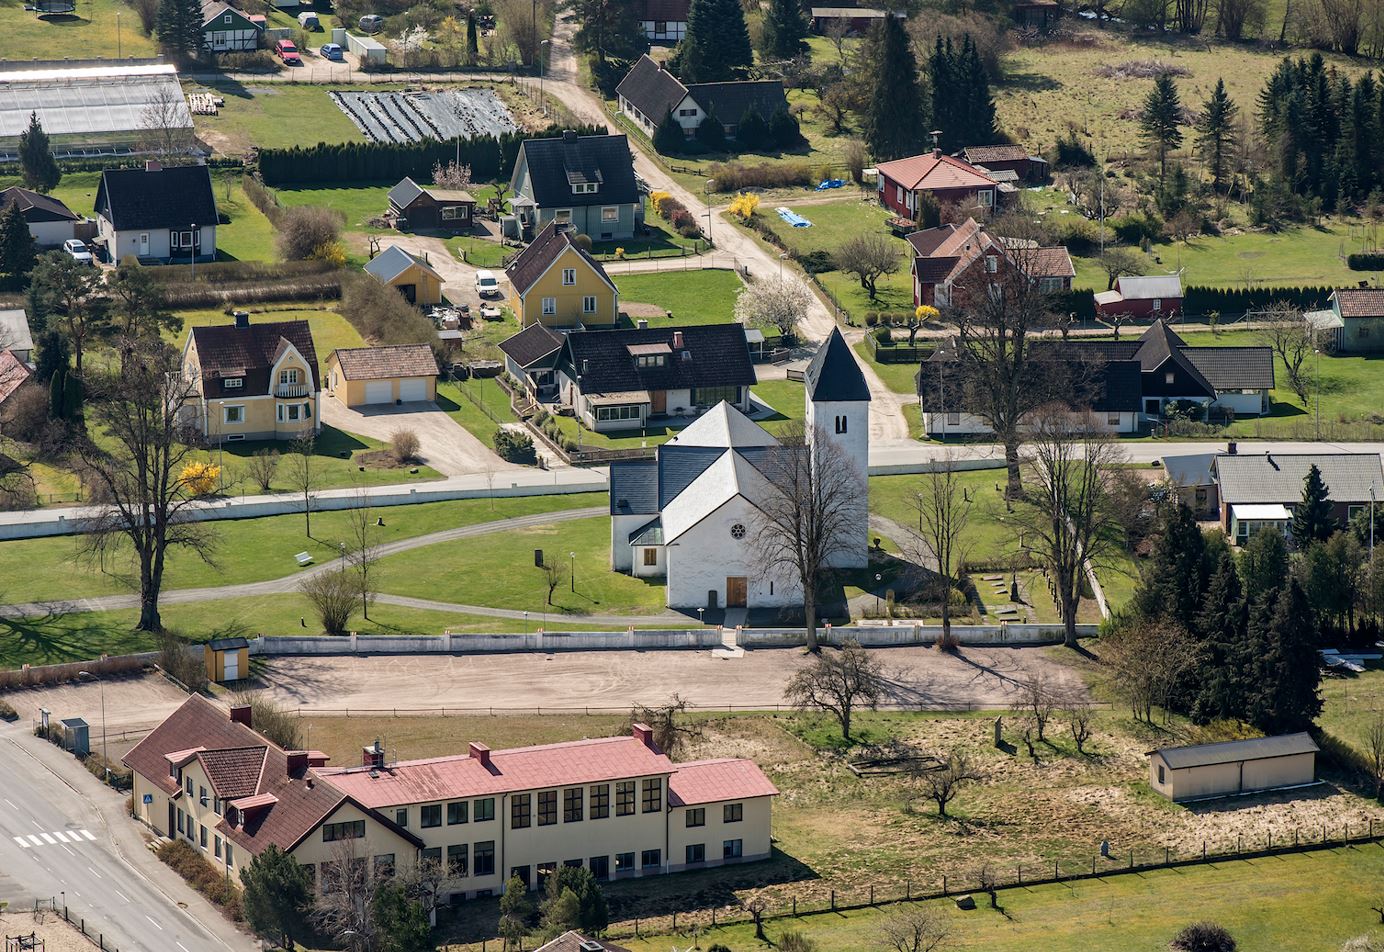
657	198
926	312
744	206
200	479
619	254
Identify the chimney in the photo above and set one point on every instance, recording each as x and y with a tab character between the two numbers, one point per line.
479	752
569	135
645	735
297	762
372	756
677	340
153	165
641	324
936	153
240	714
242	320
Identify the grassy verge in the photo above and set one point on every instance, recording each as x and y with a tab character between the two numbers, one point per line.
464	410
690	297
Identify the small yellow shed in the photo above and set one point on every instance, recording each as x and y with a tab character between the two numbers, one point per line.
414	278
371	376
228	659
1233	768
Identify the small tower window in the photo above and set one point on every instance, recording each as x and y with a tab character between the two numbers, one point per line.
840	424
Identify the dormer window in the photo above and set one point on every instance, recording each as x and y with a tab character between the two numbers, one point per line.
288	376
233	383
584	188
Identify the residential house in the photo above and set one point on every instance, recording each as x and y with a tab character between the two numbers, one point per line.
15	335
619	380
857	20
585	181
995	159
1360	312
1233	768
1136	297
1193	478
576	942
949	180
531	358
14	374
1260	490
253	381
1040	15
414	207
50	221
228	30
664	21
412	276
371	376
157	214
945	256
556	282
687	514
649	93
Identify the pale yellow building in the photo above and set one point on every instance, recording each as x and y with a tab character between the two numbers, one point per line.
227	659
1233	768
252	381
407	273
400	373
558	284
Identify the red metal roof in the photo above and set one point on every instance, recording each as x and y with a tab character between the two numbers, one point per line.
13	373
932	170
713	781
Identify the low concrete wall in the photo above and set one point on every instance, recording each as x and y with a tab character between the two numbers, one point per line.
931	466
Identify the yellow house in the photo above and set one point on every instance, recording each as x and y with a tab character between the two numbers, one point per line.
401	373
253	381
415	279
557	284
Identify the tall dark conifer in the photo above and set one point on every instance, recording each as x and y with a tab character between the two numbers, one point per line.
1220	632
36	161
1312	518
178	26
1175	576
981	126
1216	134
895	120
1284	638
784	35
1159	121
716	47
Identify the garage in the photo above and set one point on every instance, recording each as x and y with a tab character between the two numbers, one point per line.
1233	768
413	390
377	376
379	391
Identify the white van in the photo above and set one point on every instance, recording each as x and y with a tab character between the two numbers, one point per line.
487	285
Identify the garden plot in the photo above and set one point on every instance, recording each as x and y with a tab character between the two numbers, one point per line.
413	116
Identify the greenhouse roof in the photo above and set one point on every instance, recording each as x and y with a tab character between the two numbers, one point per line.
87	101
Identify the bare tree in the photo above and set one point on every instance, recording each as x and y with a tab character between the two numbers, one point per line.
1118	262
363	550
1027	731
837	29
452	176
944	511
142	414
1079	715
989	883
345	906
869	257
1070	518
552	576
779	303
1374	751
262	466
165	124
943	784
808	513
1147	660
757	906
335	594
302	474
672	731
915	928
1040	700
1292	340
839	682
1236	18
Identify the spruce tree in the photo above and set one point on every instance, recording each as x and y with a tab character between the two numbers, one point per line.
1284	636
1263	565
608	28
277	895
1220	631
1216	133
716	47
1159	121
784	35
752	132
895	122
711	134
1312	518
943	81
982	126
178	26
1175	577
473	44
668	138
16	249
36	161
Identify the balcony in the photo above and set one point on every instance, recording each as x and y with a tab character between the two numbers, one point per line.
286	391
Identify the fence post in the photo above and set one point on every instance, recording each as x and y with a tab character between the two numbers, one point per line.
675	920
1203	851
872	894
1021	874
1093	866
833	900
1055	873
1131	859
944	884
908	885
795	907
1166	854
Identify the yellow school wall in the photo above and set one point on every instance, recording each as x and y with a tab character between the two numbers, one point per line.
378	841
753	830
568	298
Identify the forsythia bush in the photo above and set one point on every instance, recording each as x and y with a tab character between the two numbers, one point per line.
200	479
925	312
332	252
656	199
744	205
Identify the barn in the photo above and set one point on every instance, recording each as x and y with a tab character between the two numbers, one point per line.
1233	768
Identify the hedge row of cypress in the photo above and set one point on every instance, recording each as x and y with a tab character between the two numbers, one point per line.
1198	301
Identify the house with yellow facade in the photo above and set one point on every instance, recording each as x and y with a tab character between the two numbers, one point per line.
410	275
395	373
253	381
558	284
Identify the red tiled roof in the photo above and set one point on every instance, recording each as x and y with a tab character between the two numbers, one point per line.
576	942
944	253
233	772
521	768
258	800
1360	302
712	781
13	374
1050	263
934	171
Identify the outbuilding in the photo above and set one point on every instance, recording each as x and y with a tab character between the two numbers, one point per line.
1233	768
418	281
401	373
228	659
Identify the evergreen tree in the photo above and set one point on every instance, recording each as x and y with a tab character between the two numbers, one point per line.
178	26
1220	631
400	920
784	35
1216	133
53	355
1263	565
669	139
608	28
1312	518
473	43
1174	579
895	123
574	900
752	132
36	161
277	894
16	249
711	134
1330	574
982	126
515	910
1159	120
946	103
784	131
1283	636
716	46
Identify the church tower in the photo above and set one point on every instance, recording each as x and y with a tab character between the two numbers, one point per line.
838	409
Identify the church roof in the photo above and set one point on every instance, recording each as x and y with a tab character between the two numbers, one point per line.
725	426
833	375
730	476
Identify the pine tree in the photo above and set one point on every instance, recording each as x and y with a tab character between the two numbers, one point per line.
277	893
784	35
16	249
1174	579
1263	565
1220	630
608	28
1312	518
982	126
36	161
178	26
895	123
716	46
1216	133
473	43
1159	121
942	79
1284	638
752	132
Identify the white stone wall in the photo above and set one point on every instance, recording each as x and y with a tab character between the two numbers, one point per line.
1243	404
822	422
702	558
620	529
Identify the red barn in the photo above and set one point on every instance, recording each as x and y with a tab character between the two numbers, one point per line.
1151	296
951	181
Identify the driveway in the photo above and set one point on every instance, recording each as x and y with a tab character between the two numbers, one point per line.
443	443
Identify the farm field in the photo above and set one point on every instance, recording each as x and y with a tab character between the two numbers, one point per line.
90	33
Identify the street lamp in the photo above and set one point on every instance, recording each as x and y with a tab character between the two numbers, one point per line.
573	557
192	251
541	100
700	612
104	749
709	183
878	578
781	257
526	622
117	36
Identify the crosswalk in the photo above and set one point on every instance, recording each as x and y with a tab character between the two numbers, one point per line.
35	840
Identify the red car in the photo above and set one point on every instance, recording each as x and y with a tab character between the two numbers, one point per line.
288	52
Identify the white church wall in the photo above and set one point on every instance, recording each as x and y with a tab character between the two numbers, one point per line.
620	529
701	559
847	424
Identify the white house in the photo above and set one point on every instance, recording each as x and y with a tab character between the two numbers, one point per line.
50	221
157	213
649	93
664	21
690	514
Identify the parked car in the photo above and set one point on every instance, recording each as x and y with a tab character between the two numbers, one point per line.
332	51
487	285
288	52
78	250
371	23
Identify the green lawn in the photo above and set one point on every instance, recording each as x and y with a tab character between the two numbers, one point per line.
480	252
465	411
705	296
90	33
785	396
660	242
897	377
329	329
1351	703
357	201
336	458
273	116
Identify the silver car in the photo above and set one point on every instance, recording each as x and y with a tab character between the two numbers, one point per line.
78	250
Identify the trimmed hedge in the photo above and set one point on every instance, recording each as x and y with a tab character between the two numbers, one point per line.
1228	301
188	862
1366	261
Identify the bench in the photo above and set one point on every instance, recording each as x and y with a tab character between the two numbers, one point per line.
303	558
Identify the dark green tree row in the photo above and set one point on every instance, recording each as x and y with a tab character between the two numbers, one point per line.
962	107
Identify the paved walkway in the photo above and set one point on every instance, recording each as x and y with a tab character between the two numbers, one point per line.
443	443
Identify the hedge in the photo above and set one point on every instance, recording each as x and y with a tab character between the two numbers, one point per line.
1228	301
490	157
1366	261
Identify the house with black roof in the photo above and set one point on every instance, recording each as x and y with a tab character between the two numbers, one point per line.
619	380
414	207
531	358
648	93
664	21
50	221
585	181
157	213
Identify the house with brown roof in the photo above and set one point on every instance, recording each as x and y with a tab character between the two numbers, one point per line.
949	180
557	283
253	381
14	374
1360	312
945	256
995	160
371	376
576	942
414	207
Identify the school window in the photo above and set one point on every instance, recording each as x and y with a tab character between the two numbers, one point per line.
520	812
484	810
588	304
349	830
433	855
401	816
624	798
456	859
653	796
610	214
547	808
180	821
483	858
651	557
217	846
549	306
456	812
696	853
233	414
572	805
732	849
230	859
624	863
430	815
202	836
600	867
569	277
696	817
600	801
732	813
651	858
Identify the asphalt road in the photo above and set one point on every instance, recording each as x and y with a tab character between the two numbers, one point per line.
54	844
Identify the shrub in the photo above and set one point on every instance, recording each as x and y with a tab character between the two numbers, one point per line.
606	76
187	862
744	205
305	229
1203	937
249	61
200	478
403	446
1136	227
514	446
379	312
1080	235
183	665
738	176
1072	152
1366	261
271	720
7	711
657	198
816	262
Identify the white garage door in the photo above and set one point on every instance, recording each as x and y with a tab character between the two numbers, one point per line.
413	390
379	391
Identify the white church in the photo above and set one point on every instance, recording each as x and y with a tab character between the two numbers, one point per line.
688	515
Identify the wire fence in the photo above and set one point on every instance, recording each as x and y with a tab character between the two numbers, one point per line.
43	908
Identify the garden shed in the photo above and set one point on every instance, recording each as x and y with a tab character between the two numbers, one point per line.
1233	768
228	659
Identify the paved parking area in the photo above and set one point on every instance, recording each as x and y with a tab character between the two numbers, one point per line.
443	443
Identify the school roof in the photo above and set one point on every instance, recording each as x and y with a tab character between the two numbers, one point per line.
556	165
35	206
833	375
1235	751
547	246
1359	302
706	355
176	197
714	781
380	363
394	261
933	170
227	351
1278	477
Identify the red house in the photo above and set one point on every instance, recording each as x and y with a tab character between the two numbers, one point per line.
994	160
951	181
943	256
1157	295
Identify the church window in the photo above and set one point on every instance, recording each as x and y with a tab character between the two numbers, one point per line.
737	531
840	424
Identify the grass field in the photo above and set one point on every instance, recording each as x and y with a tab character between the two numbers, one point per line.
468	414
1351	704
329	329
92	32
691	297
273	116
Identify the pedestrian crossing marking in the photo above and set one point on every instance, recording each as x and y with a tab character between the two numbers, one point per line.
77	837
48	838
62	837
87	834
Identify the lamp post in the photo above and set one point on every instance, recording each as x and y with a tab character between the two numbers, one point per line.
541	100
106	764
700	613
709	183
526	621
878	578
192	251
117	36
1317	369
573	557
